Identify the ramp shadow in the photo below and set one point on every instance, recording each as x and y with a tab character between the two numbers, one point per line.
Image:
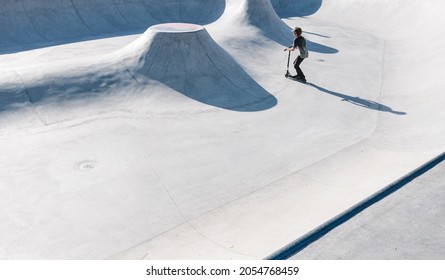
316	34
197	67
29	46
223	92
287	38
368	104
132	21
296	8
311	45
319	48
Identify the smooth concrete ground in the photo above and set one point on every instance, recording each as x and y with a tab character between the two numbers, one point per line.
119	141
407	225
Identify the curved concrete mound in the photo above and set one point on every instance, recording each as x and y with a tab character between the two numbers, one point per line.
187	60
258	14
29	23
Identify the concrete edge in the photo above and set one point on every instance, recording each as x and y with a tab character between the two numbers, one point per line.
312	236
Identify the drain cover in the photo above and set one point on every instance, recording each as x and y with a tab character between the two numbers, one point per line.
88	165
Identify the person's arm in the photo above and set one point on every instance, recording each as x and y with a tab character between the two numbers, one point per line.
293	47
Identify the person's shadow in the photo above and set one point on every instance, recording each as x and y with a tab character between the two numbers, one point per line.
369	104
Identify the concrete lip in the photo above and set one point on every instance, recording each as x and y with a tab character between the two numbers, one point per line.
176	27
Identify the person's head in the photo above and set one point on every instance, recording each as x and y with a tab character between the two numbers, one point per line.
297	31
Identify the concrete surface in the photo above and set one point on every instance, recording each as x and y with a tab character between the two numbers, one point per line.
121	139
25	24
407	225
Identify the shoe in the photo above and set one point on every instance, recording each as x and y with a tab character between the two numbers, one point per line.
300	79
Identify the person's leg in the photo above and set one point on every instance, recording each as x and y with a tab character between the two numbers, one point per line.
297	63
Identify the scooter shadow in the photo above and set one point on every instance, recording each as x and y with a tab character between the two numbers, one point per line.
368	104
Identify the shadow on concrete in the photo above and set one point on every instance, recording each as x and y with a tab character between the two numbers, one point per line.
319	48
11	49
54	29
200	12
312	46
195	66
296	8
369	104
228	96
217	81
316	34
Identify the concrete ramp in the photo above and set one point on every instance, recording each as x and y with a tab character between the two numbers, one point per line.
179	62
254	18
186	141
186	59
27	24
15	104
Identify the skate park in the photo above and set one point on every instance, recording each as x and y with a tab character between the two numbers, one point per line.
140	129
